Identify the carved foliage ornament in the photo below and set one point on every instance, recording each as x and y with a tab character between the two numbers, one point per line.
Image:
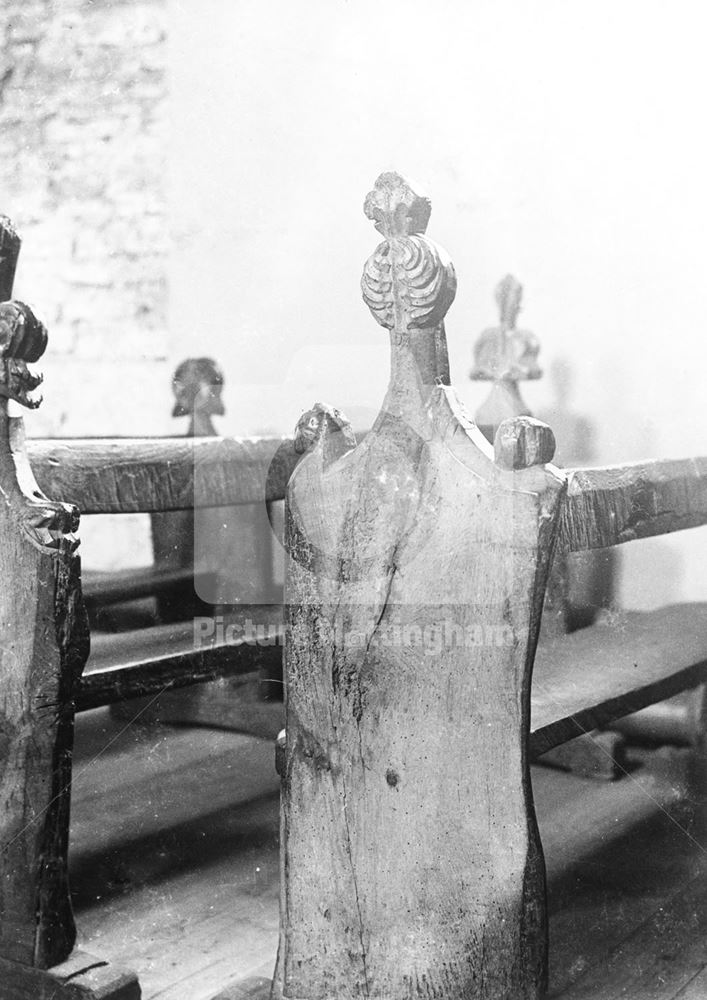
49	525
22	338
409	282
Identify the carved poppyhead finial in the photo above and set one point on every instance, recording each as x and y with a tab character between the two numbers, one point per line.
509	296
409	282
197	386
504	353
395	208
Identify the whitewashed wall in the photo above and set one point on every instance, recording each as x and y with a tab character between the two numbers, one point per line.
562	141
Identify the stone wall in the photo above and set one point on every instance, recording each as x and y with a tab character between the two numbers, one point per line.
82	126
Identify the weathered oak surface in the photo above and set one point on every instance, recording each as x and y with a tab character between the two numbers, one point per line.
589	678
580	681
608	506
192	912
115	586
149	661
122	475
604	507
405	873
43	646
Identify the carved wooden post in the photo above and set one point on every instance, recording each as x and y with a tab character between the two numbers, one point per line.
43	648
42	651
411	864
197	386
230	548
504	356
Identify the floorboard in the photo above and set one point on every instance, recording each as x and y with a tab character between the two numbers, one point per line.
174	866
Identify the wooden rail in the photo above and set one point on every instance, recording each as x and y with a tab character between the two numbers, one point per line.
158	659
128	476
608	506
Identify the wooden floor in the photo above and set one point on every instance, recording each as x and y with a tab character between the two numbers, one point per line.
174	866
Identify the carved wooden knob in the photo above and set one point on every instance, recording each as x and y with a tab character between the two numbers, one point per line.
522	442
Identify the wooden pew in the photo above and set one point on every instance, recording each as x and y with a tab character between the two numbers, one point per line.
206	560
418	562
382	723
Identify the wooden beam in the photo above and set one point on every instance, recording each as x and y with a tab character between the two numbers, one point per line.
128	665
616	504
114	587
133	475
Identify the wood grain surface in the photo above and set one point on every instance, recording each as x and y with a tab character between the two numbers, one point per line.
122	475
587	679
405	872
608	506
43	646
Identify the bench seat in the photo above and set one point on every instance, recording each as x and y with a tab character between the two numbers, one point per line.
581	681
596	675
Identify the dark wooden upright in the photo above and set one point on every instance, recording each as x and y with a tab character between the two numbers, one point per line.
43	648
42	651
411	864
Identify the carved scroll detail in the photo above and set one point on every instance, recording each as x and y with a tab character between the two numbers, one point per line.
47	524
22	338
419	272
